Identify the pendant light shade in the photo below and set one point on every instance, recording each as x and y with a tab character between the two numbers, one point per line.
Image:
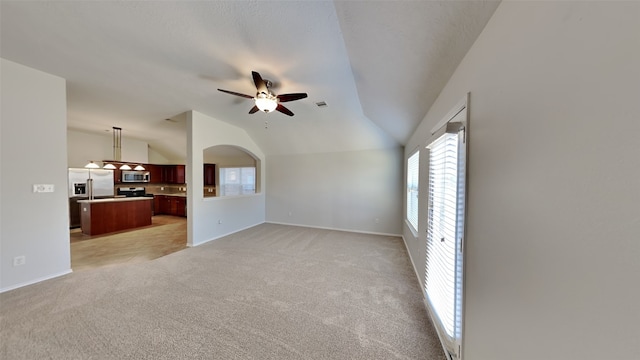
139	168
92	165
125	167
109	166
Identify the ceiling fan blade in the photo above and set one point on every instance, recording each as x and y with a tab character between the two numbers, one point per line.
284	110
253	110
260	85
291	97
236	94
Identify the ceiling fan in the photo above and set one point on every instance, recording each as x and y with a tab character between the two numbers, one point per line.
265	100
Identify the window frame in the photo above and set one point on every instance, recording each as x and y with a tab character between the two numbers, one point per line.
416	189
456	121
222	170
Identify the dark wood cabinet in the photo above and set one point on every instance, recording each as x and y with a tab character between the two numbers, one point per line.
173	174
109	215
180	204
117	176
180	174
155	173
167	174
209	173
157	204
74	213
170	205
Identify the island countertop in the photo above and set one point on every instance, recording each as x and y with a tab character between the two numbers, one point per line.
184	195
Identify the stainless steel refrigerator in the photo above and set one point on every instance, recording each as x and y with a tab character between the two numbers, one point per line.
79	189
102	182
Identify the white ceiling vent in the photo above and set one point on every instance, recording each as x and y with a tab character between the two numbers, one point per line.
321	104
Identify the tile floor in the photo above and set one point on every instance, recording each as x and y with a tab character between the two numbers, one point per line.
166	235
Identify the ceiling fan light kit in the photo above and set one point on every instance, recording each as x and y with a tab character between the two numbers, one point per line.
265	100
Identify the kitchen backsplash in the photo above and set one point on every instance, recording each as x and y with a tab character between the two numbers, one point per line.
177	189
159	189
165	189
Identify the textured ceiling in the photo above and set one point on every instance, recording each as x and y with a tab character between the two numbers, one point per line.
378	65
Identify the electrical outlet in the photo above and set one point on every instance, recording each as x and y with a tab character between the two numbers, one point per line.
19	260
377	221
219	221
290	214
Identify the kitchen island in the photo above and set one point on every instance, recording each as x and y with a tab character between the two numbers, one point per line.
101	216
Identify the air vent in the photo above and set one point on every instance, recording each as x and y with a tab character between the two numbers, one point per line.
321	104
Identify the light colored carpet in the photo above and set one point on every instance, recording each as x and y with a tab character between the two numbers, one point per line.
269	292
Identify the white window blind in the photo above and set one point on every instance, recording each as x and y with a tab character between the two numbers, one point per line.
445	230
441	231
413	164
237	181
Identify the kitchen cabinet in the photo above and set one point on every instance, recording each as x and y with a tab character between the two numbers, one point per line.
155	173
170	205
180	174
173	174
117	176
74	213
180	204
209	172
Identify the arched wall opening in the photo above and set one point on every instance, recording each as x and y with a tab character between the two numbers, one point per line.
221	160
212	217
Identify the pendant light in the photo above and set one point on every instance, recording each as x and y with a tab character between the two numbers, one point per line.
139	168
92	165
117	150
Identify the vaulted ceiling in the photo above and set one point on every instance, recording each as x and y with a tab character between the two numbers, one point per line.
379	65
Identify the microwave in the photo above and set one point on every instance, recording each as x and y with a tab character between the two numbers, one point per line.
135	176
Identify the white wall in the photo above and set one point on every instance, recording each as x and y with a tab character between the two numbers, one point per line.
229	161
84	146
340	190
553	236
157	158
34	151
214	217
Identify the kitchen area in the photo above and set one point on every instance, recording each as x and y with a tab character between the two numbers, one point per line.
121	217
139	194
127	197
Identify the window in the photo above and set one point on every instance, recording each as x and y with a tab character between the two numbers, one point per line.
445	229
237	181
413	164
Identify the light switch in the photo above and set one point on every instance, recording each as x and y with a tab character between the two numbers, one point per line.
43	188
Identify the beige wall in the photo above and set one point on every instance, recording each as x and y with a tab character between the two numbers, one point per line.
553	244
347	190
84	146
214	217
33	151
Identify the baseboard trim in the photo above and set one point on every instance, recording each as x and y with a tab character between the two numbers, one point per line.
223	235
334	229
413	264
31	282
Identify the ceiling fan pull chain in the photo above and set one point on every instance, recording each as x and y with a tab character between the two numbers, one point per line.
266	124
